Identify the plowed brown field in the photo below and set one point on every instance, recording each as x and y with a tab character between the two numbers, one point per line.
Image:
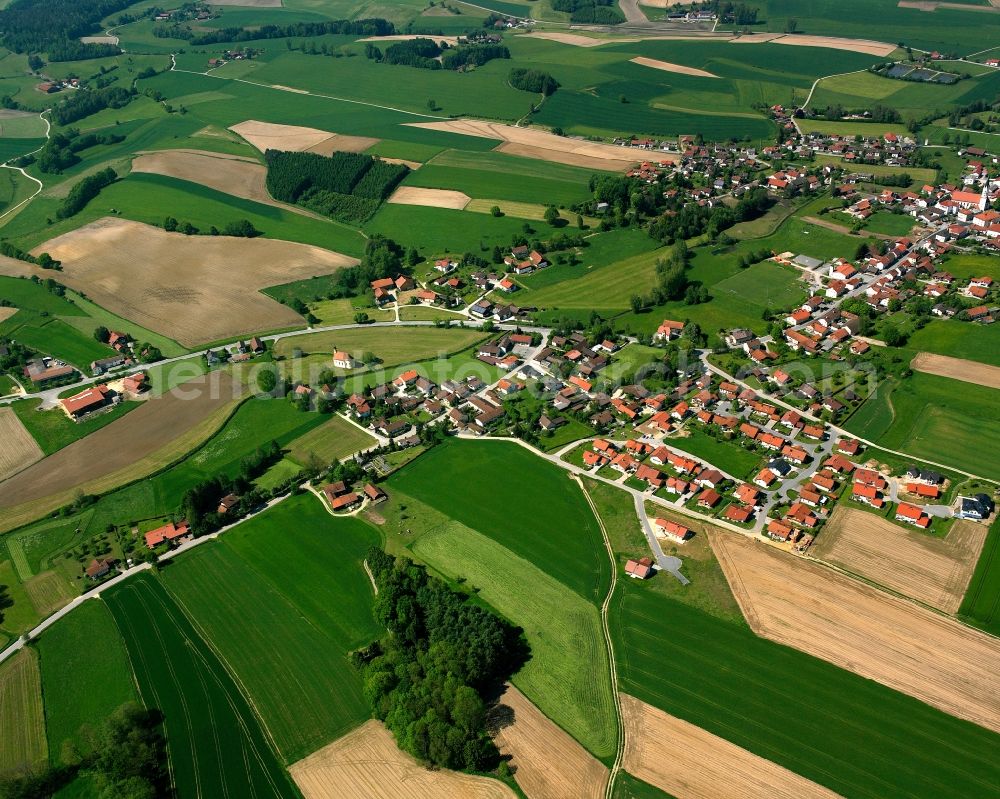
367	764
914	650
547	761
690	763
18	450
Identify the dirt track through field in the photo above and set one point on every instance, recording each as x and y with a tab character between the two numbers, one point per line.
666	66
933	570
828	615
367	764
122	444
547	761
957	369
690	763
193	289
19	450
432	198
534	143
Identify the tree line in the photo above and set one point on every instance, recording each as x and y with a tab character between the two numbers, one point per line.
128	761
78	51
598	12
85	102
358	27
431	54
60	151
430	677
85	191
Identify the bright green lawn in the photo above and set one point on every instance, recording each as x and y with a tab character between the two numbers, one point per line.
331	441
53	430
730	457
981	605
85	677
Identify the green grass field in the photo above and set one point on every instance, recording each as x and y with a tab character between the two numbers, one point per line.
850	734
568	675
215	742
981	605
730	457
959	340
890	224
85	677
629	787
22	719
296	676
932	417
435	231
332	441
543	520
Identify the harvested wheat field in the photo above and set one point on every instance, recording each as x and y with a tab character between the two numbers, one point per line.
343	144
6	312
158	432
232	174
272	136
812	608
932	570
534	143
19	449
880	49
690	763
367	764
957	369
433	198
99	40
547	761
578	40
48	592
193	289
666	66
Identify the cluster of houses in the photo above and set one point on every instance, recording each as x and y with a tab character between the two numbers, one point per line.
240	352
45	370
232	55
889	149
124	346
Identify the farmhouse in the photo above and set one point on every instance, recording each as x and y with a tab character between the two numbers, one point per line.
639	569
98	569
86	401
169	532
668	330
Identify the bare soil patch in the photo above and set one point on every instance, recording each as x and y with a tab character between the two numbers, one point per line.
534	143
880	49
958	369
578	40
547	761
193	289
99	40
367	764
6	312
933	570
666	66
410	164
19	450
857	627
756	38
272	136
343	144
690	763
433	198
143	432
232	174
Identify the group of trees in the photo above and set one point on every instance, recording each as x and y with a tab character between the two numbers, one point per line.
60	151
85	102
128	761
39	25
429	677
241	228
345	27
671	280
85	191
432	54
43	259
78	51
597	12
739	13
533	80
346	186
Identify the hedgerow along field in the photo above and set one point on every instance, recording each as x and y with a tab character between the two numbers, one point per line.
296	675
544	520
215	742
86	676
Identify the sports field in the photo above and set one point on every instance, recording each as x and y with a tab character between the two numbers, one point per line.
22	721
819	721
215	742
295	675
85	677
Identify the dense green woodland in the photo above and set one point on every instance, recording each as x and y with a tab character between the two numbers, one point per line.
39	25
430	677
